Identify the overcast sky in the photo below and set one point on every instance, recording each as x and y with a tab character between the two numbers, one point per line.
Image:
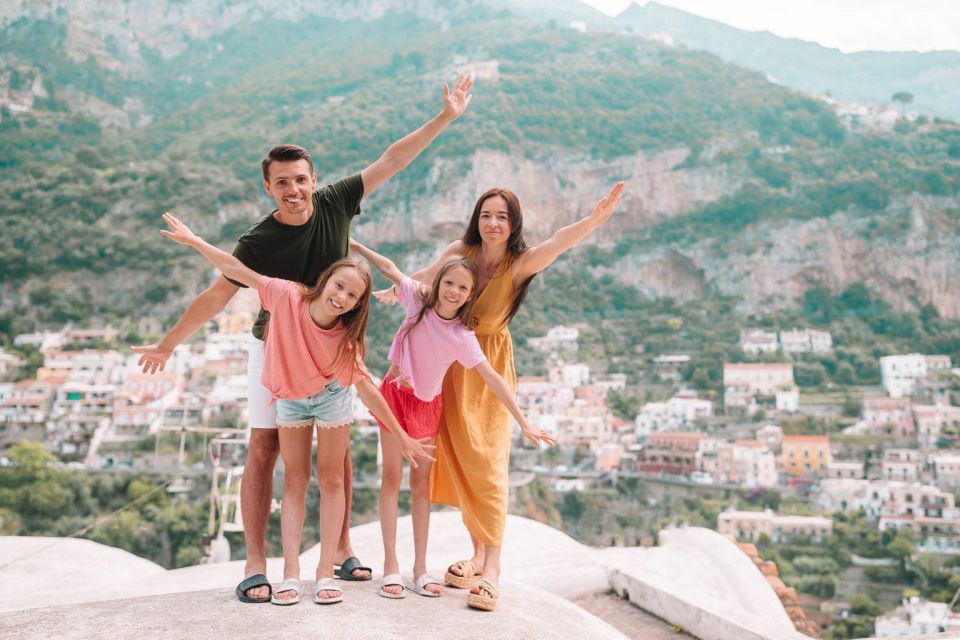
848	25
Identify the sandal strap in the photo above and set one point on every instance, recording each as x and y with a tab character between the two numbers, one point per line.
463	565
392	580
326	584
289	584
484	585
425	579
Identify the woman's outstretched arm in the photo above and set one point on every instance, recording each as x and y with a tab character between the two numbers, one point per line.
538	258
499	387
381	263
229	265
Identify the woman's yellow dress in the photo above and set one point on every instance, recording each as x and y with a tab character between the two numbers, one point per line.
473	448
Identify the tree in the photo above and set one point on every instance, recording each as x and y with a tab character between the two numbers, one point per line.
903	98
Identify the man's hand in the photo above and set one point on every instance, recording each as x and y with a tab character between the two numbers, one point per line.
454	104
178	232
153	357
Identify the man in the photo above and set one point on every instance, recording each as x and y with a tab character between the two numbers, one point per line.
307	232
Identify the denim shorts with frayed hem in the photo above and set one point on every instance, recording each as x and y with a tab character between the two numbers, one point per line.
331	407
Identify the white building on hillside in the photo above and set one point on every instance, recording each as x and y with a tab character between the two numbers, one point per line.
748	526
676	414
571	375
930	421
917	617
757	341
900	373
946	470
806	341
558	337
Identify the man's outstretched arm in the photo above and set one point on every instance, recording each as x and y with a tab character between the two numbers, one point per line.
402	152
153	357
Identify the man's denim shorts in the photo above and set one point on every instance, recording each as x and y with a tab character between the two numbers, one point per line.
331	407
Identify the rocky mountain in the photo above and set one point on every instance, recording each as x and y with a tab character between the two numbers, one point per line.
932	78
735	185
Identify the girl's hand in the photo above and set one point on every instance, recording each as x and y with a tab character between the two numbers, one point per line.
178	232
386	296
538	436
413	449
604	209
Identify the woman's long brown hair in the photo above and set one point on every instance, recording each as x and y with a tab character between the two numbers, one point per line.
515	243
352	344
465	312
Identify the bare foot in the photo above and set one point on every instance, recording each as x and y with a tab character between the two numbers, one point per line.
256	592
345	554
432	587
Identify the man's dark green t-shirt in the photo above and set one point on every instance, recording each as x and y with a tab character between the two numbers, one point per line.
301	253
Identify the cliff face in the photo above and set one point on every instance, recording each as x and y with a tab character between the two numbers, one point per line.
115	34
905	255
553	192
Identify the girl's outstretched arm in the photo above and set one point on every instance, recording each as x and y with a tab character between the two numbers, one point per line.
410	448
538	258
499	386
381	263
226	263
423	276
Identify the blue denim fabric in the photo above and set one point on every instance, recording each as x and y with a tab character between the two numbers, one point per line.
331	407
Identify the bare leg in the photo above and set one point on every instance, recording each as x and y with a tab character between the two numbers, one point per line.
491	566
256	493
420	507
295	446
389	491
331	445
344	548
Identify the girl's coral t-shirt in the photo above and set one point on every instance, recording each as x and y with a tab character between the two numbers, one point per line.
299	356
425	353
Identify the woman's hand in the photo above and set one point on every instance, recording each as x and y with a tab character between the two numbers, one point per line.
178	232
604	209
454	104
537	435
386	296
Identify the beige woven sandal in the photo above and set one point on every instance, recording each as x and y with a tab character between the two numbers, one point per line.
465	581
481	601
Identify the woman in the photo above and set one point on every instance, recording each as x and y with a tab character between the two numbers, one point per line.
473	448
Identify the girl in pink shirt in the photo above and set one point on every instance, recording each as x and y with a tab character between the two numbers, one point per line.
435	333
313	353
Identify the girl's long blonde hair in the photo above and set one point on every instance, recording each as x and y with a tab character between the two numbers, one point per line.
465	312
352	344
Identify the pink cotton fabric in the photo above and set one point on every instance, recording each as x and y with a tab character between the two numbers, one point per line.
428	350
298	355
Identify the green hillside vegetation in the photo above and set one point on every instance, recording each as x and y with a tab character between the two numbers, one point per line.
81	200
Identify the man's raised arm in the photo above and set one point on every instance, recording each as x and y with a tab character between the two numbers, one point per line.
402	152
153	357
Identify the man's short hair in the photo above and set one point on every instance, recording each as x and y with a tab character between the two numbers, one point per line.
285	153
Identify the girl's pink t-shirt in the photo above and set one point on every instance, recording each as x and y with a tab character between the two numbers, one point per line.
427	351
299	356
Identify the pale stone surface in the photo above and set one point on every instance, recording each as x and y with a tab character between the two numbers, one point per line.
524	613
697	579
702	581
